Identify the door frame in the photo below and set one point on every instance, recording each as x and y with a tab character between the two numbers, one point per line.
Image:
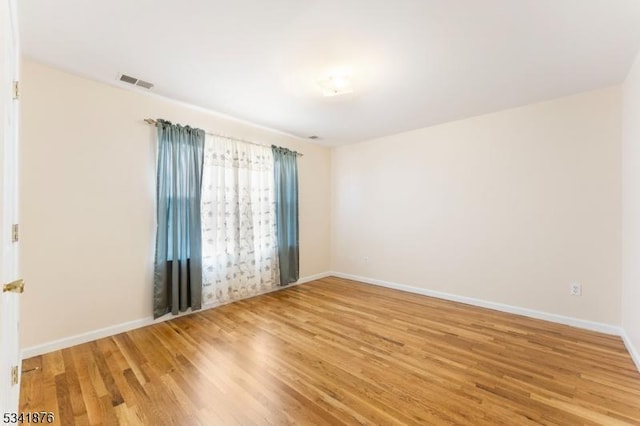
9	115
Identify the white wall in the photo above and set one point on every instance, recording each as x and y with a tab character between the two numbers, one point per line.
509	207
631	207
87	200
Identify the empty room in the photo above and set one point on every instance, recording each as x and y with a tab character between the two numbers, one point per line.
416	212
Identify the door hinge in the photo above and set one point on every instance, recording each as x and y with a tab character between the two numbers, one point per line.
14	233
16	90
14	375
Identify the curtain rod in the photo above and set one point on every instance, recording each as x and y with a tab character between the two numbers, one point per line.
153	122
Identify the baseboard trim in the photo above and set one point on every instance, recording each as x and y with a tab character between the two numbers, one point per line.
89	336
143	322
532	313
310	278
77	339
635	356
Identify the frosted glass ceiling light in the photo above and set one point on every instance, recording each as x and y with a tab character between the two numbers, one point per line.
336	84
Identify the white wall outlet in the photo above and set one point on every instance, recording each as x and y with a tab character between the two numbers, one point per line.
575	289
366	259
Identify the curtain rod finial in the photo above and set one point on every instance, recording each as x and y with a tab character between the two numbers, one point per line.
150	121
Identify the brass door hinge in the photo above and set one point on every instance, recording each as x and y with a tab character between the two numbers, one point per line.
16	286
16	90
14	375
15	236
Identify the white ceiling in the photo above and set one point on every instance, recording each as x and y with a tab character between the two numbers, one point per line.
416	63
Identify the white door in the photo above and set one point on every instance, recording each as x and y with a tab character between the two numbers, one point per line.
9	299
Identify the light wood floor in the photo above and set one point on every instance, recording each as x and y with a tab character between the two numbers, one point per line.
336	351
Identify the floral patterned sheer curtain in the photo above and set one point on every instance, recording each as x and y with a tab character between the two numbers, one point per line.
239	252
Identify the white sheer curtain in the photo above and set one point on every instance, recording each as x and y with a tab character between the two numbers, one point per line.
239	253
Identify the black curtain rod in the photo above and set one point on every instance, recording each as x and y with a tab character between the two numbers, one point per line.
153	122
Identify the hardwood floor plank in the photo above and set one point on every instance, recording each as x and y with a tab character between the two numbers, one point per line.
335	351
64	414
101	371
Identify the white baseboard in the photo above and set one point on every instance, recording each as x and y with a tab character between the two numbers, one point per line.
89	336
635	356
313	278
77	339
143	322
532	313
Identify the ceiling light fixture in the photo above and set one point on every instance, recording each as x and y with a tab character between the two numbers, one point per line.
336	84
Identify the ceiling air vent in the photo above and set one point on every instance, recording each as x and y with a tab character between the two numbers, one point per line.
135	81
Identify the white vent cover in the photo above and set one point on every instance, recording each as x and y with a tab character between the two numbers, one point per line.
135	81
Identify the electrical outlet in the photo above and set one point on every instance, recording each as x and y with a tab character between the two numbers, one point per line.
366	260
575	289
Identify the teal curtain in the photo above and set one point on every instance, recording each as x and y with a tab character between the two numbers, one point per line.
177	281
285	170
